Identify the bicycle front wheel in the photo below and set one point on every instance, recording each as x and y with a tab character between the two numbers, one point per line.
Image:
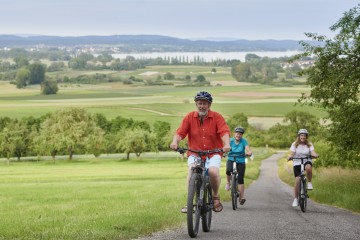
303	195
234	191
193	209
207	207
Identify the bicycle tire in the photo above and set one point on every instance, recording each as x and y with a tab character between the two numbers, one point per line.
193	210
234	191
207	207
303	195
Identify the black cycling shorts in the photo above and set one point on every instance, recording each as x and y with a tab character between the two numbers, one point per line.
297	169
240	167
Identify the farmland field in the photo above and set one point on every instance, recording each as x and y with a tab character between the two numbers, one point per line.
264	105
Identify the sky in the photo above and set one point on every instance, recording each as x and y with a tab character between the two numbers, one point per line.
188	19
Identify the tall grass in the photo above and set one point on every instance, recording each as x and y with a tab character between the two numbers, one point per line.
334	186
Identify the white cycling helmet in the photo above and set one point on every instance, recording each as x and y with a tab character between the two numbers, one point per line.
303	131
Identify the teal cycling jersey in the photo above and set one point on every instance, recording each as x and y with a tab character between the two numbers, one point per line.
237	150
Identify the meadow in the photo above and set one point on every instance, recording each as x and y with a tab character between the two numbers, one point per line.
111	198
333	186
264	105
98	198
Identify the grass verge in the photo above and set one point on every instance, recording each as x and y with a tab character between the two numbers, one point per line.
334	186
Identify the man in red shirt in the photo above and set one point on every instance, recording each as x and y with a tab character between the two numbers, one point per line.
206	130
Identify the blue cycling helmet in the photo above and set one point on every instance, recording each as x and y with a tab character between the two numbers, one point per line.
203	96
240	130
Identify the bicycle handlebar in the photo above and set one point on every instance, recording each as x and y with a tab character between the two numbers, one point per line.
310	156
200	152
240	155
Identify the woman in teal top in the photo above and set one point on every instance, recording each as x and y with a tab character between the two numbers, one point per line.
239	146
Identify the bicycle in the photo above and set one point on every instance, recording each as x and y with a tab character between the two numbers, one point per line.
235	194
200	201
302	192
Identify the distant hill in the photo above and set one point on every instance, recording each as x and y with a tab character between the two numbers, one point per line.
151	43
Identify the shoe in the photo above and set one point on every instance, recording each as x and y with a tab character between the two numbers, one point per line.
184	209
242	201
310	186
295	203
227	186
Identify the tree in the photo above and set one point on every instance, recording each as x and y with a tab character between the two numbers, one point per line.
200	79
136	141
22	77
334	79
161	130
14	139
252	57
169	76
49	87
69	130
21	61
238	119
282	135
241	72
104	58
37	73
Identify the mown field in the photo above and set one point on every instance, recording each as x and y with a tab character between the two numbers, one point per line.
97	198
264	105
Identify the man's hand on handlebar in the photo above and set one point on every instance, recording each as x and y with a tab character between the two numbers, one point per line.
226	149
174	146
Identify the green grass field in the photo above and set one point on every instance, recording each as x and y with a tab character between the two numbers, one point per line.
116	199
333	186
97	198
157	103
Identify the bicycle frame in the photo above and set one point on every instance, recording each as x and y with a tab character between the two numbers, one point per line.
302	194
200	201
235	193
302	188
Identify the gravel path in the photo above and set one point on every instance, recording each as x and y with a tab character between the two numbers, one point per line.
268	214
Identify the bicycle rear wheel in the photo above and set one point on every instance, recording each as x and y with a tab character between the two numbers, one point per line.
234	191
193	210
207	207
303	195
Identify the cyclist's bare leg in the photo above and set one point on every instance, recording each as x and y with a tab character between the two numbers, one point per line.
228	178
308	170
215	183
296	188
241	190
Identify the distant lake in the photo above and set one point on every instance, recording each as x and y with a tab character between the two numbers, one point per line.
207	56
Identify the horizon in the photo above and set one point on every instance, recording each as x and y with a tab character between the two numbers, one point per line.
186	19
27	35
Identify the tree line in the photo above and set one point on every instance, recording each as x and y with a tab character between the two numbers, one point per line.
75	131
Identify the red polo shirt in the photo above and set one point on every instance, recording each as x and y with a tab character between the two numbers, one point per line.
206	136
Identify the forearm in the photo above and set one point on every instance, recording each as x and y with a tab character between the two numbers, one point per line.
176	139
226	142
248	150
